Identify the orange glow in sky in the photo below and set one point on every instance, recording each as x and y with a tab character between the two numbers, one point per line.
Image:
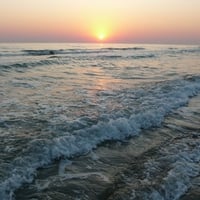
142	21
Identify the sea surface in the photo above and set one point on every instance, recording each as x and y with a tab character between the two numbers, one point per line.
99	122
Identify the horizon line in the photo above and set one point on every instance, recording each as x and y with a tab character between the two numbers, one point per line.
82	42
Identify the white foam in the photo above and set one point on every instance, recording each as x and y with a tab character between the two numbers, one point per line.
158	102
184	163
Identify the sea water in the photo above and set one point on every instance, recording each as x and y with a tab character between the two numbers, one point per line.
99	121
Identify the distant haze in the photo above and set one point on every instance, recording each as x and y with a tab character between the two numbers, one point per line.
132	21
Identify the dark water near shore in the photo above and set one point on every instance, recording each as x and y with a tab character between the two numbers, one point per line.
99	121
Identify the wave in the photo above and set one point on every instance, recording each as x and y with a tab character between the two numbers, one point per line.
62	51
76	51
56	60
162	173
124	48
184	166
184	51
194	50
142	56
43	52
156	102
27	65
110	56
16	65
53	52
132	56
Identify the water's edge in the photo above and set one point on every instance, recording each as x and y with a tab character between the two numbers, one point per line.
161	163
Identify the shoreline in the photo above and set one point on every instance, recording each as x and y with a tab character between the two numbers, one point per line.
114	170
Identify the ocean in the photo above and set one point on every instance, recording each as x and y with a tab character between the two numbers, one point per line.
99	122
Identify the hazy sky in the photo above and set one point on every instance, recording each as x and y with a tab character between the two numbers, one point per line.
144	21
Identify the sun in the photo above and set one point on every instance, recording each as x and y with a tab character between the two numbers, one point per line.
101	32
101	36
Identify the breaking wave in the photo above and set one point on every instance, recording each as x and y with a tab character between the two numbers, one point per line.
156	102
26	65
124	49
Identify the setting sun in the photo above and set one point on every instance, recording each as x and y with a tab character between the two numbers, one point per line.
101	29
139	21
103	32
101	36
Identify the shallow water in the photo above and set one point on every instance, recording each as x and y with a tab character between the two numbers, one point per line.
160	163
98	121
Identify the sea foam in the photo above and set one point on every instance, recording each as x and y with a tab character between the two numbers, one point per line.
161	99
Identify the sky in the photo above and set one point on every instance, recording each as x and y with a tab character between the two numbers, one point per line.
128	21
